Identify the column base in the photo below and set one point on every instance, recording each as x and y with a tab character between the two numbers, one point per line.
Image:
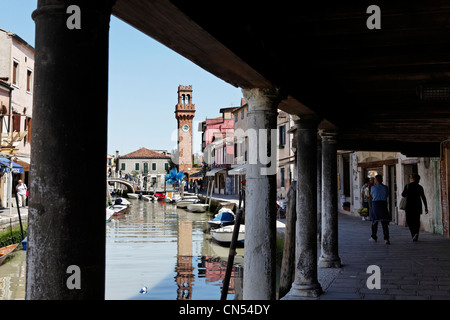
329	262
308	290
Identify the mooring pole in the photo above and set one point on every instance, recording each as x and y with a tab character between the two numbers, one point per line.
232	253
20	219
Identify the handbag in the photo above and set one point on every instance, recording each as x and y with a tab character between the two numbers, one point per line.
403	201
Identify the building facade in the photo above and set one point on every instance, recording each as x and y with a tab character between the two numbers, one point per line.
285	154
218	150
17	71
239	166
149	166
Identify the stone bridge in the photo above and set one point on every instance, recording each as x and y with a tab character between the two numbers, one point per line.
131	187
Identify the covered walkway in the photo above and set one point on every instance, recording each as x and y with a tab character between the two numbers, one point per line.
349	87
409	270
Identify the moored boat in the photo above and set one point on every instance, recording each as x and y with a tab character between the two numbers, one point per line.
117	209
224	235
160	195
197	207
5	252
149	197
184	203
133	195
109	214
224	218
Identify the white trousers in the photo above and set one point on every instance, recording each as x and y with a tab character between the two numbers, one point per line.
22	199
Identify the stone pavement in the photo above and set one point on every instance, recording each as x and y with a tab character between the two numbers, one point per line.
409	270
7	216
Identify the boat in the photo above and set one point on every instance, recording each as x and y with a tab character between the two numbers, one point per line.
183	203
122	201
149	197
117	209
197	207
5	252
109	214
172	198
159	195
133	195
223	235
224	218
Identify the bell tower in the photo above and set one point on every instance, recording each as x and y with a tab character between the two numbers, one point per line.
184	113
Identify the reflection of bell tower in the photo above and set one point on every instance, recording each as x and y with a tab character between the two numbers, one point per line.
184	269
184	113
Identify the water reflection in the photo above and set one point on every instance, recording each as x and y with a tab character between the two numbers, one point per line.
12	276
156	246
169	252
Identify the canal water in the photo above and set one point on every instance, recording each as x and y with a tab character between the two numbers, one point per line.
154	252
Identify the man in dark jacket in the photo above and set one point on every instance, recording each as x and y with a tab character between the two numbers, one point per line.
414	196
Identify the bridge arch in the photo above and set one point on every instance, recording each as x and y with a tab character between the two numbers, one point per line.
130	186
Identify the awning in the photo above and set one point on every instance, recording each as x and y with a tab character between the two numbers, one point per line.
241	170
214	171
4	166
24	162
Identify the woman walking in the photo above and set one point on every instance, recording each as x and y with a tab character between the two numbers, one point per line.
414	196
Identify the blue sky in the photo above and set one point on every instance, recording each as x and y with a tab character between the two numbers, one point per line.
143	80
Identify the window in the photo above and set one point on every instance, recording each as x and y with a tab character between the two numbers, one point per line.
242	114
29	80
236	117
16	122
122	166
15	75
282	136
282	177
166	166
153	166
145	167
136	167
27	127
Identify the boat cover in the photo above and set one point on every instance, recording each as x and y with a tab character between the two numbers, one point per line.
224	216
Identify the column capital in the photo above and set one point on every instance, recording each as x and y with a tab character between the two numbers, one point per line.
263	99
308	121
328	135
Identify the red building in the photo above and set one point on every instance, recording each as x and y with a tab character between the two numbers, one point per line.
218	149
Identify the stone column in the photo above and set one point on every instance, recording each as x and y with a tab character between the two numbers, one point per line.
319	191
329	256
306	283
260	195
66	239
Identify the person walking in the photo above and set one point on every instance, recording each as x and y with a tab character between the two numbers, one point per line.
379	213
21	189
414	196
365	194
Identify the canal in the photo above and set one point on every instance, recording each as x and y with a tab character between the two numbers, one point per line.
154	252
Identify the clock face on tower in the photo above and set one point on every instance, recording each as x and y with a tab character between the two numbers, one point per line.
185	128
